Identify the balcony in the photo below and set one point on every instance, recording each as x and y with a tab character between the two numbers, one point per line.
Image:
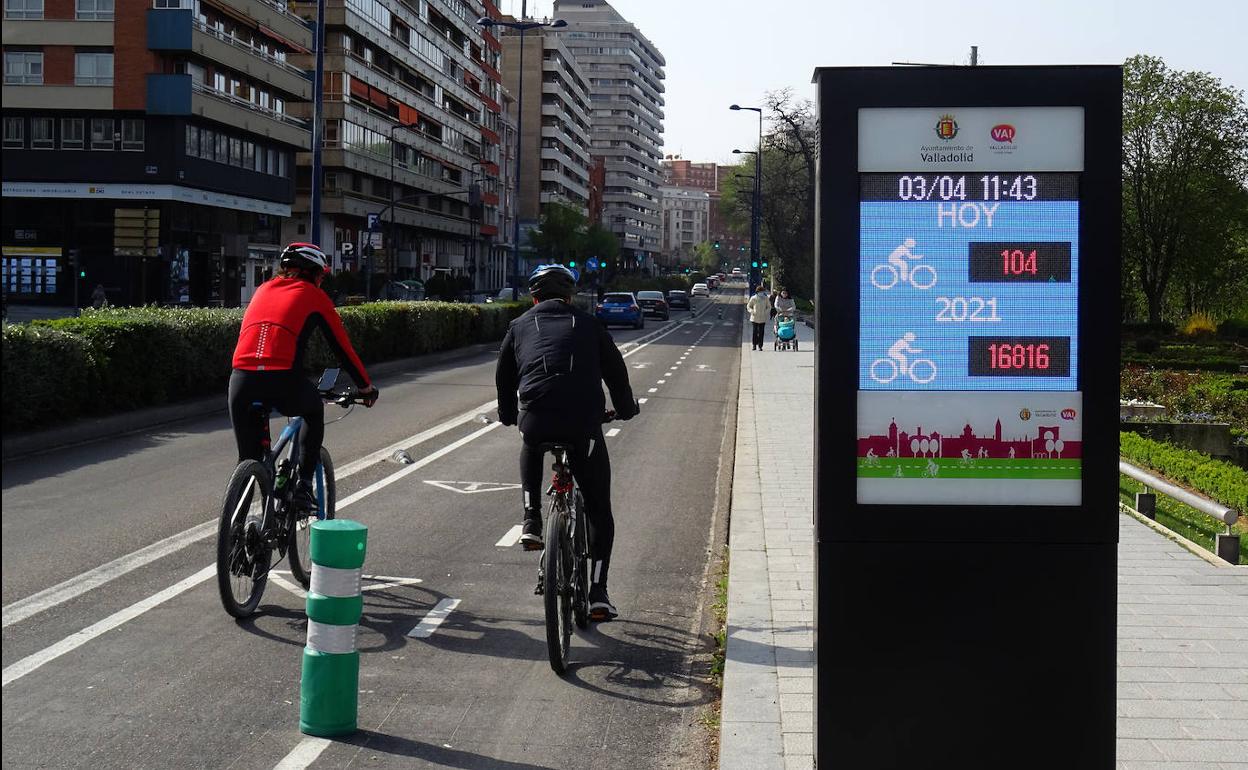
274	15
179	30
178	95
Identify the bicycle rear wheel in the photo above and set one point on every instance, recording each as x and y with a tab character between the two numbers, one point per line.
557	594
242	556
580	564
300	544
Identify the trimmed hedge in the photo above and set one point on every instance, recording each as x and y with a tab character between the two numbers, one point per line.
1218	480
117	359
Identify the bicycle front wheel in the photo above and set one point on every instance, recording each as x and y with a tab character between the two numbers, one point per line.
556	563
300	544
242	556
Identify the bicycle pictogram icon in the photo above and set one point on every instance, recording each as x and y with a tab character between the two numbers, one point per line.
898	270
920	370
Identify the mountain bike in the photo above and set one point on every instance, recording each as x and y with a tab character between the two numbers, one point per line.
563	573
258	516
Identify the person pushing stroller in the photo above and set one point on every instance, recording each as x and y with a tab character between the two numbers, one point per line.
785	328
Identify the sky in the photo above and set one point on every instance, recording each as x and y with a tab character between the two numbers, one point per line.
723	51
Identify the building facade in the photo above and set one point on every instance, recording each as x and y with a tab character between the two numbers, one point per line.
686	223
626	89
149	147
555	159
412	88
678	172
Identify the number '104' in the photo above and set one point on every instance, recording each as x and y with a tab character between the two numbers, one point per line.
1018	262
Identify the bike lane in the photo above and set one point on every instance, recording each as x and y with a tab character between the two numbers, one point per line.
183	685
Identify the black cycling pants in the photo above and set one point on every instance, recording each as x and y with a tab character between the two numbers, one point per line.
758	334
591	467
289	393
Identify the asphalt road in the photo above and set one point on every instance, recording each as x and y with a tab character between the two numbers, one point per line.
116	651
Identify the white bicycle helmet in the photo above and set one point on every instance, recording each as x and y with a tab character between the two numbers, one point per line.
305	255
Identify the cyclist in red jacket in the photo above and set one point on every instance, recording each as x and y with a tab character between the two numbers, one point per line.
268	361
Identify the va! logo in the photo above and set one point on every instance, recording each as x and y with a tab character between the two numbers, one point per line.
946	127
1003	132
1068	414
1024	414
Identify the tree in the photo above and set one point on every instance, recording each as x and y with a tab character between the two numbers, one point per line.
560	232
1185	154
790	156
706	257
599	242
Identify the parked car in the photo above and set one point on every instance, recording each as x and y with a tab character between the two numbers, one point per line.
677	298
736	272
700	290
504	295
712	282
620	308
653	303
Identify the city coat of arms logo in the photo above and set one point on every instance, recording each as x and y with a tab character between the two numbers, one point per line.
1024	414
946	127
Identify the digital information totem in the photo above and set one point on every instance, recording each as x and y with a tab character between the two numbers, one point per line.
966	494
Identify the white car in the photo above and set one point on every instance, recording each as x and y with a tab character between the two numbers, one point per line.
700	290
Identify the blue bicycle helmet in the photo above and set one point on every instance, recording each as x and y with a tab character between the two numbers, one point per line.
553	280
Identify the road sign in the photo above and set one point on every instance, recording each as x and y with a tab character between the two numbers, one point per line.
969	224
374	221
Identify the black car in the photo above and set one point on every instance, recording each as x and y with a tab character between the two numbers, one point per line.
653	303
677	298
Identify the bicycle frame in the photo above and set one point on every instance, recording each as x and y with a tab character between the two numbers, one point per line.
289	435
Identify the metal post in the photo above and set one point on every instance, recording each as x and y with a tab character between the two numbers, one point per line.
515	232
755	246
318	111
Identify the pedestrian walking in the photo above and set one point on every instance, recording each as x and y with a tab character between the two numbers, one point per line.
783	304
759	307
99	298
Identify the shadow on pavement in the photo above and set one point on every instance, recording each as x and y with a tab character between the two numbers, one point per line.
384	743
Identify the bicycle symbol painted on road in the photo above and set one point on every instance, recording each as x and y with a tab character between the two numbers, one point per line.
898	270
920	370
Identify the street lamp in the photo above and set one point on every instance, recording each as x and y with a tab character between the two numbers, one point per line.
390	241
758	187
521	26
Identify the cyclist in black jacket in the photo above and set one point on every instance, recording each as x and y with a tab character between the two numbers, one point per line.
556	357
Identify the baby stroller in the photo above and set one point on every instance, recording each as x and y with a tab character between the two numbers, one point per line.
786	332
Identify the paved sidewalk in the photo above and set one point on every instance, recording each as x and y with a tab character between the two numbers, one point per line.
1182	621
767	719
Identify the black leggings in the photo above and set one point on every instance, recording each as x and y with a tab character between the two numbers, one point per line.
758	334
287	392
591	466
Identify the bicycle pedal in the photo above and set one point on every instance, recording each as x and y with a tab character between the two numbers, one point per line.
540	589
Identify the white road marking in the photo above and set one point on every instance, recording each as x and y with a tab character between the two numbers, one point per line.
76	586
304	754
661	382
653	390
428	624
410	469
280	579
511	538
376	582
642	400
613	433
355	466
472	487
21	668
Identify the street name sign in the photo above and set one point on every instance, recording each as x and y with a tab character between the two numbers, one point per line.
968	234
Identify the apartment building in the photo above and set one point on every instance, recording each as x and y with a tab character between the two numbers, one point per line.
555	151
686	222
148	147
625	72
678	172
416	81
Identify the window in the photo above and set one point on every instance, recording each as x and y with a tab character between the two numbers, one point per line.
132	133
281	165
208	144
101	133
23	9
72	134
223	149
173	3
236	151
249	155
218	81
14	132
93	69
271	168
41	133
23	67
192	141
95	10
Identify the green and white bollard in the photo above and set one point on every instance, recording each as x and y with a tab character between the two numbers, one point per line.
329	695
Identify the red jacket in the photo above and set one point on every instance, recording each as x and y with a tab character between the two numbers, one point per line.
278	323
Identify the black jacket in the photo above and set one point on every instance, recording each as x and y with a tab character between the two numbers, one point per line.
556	358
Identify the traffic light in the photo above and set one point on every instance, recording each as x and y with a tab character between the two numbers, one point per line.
82	273
572	264
754	264
764	263
743	248
717	245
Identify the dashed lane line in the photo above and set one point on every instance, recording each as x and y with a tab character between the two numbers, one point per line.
430	622
642	400
511	538
613	433
653	390
304	754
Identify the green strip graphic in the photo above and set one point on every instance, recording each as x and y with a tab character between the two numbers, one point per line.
975	468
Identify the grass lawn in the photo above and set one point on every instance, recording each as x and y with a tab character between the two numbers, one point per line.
956	468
